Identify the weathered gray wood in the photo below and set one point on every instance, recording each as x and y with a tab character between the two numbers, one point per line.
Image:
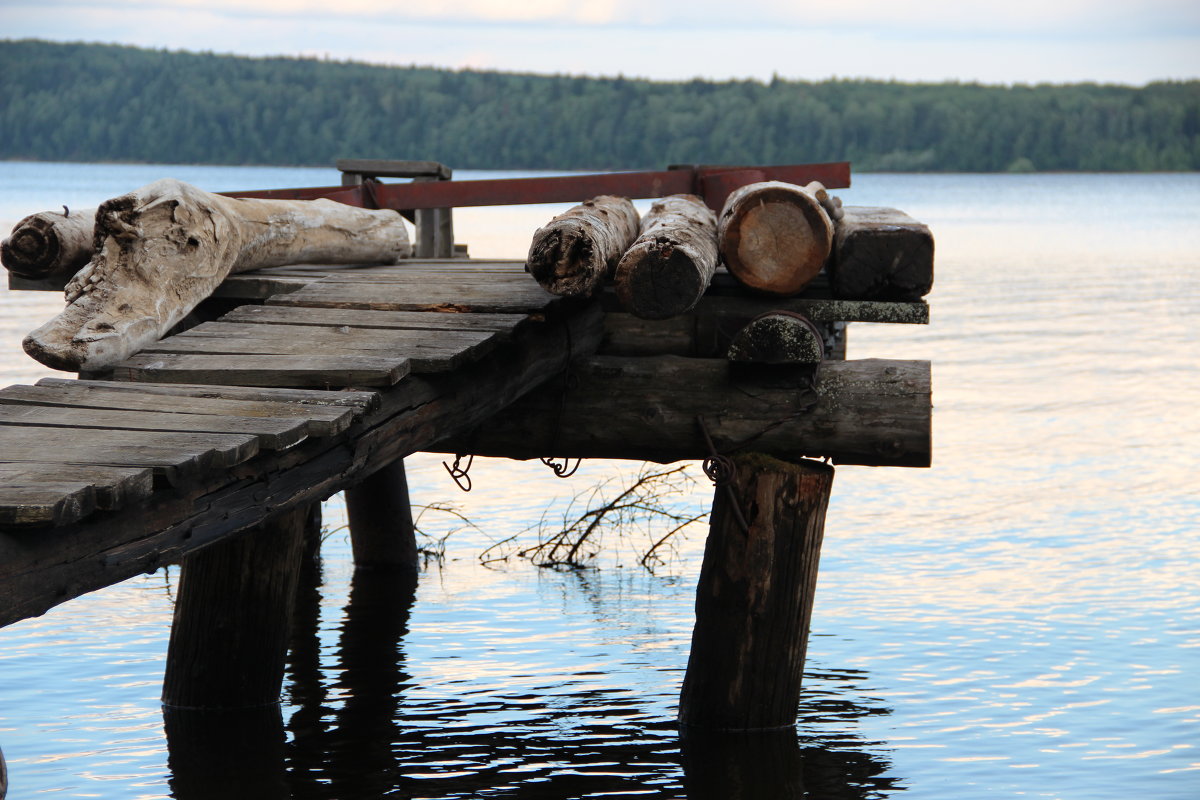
359	402
869	412
382	535
49	502
577	250
665	272
500	324
393	168
91	486
273	433
328	371
50	245
164	248
170	454
317	420
511	298
755	596
881	254
232	617
775	237
40	571
424	352
779	337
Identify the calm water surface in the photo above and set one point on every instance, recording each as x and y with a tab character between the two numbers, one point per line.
1021	620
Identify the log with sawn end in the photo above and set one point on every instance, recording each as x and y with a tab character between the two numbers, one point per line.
881	254
49	245
577	250
670	265
775	237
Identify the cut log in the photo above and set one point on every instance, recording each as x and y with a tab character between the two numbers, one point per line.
775	237
49	245
162	249
778	337
755	596
668	268
577	250
881	254
869	412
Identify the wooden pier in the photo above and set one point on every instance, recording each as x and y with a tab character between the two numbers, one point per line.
294	383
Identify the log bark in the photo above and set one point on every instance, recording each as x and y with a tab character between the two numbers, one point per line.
49	245
161	250
667	269
881	254
755	596
831	204
775	237
869	412
778	337
577	250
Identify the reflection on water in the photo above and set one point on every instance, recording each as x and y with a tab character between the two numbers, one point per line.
1019	620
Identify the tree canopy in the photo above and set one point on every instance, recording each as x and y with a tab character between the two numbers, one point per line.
90	102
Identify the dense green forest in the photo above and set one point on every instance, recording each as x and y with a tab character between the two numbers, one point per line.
88	102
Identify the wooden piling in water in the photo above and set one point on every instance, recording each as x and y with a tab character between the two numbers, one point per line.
381	523
755	596
232	618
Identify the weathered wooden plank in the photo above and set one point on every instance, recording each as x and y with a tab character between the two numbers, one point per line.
272	432
172	455
526	297
500	324
320	419
43	570
871	412
881	253
427	352
260	370
113	486
47	503
359	401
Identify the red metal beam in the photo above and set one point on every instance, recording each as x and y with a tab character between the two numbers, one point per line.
713	183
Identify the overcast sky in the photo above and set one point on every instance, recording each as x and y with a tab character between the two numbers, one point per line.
1014	41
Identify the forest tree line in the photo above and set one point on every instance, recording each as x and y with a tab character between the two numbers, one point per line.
108	103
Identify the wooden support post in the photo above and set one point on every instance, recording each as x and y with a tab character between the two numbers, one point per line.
232	618
381	523
755	595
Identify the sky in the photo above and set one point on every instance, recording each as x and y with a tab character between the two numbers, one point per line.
1015	41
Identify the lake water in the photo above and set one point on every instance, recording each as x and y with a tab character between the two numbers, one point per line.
1021	620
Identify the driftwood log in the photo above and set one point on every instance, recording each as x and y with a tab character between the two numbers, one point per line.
831	204
162	249
668	268
577	250
49	244
881	254
775	237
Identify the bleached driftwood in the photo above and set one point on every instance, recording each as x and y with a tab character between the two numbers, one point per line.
162	249
668	268
775	237
49	244
574	252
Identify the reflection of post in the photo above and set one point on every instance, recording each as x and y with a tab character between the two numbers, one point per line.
360	748
232	617
381	524
3	777
754	599
227	754
763	765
